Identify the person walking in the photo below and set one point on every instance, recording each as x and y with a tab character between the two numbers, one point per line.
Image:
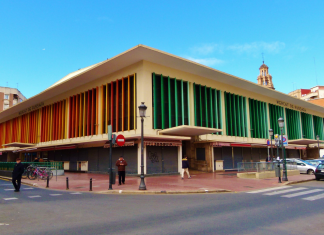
17	174
185	167
121	163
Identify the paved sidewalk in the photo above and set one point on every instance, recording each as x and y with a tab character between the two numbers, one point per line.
200	182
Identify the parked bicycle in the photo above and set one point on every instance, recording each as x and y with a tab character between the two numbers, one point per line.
39	172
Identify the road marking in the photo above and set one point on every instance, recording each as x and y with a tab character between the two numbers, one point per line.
56	194
269	189
7	189
3	224
76	193
27	188
302	193
313	198
284	191
34	196
11	198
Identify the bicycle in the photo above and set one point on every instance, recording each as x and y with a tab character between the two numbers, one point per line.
37	172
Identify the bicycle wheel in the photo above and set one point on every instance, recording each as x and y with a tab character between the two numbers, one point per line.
32	175
50	174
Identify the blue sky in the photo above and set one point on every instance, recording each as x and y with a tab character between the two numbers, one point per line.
42	41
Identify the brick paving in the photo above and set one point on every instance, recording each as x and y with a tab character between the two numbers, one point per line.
199	182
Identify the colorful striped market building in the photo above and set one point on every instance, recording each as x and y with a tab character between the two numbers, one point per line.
192	110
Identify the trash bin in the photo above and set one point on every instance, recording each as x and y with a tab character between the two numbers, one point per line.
277	170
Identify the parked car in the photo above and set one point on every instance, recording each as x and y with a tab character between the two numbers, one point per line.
299	164
315	162
319	172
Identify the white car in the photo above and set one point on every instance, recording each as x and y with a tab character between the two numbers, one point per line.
299	164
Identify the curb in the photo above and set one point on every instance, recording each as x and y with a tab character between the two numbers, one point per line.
298	181
163	192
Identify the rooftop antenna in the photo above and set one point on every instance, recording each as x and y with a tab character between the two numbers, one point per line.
315	72
262	58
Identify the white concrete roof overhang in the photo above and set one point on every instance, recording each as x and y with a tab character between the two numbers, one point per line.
304	141
18	144
185	130
139	53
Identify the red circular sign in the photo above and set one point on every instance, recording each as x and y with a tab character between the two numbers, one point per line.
120	140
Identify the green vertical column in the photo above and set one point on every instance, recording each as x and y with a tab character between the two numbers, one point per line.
216	109
169	102
200	105
154	100
206	107
176	102
188	100
239	115
226	112
219	110
162	102
234	131
251	119
182	103
245	118
211	107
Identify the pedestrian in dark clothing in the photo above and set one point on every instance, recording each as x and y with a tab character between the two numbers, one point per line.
185	167
16	174
36	160
121	163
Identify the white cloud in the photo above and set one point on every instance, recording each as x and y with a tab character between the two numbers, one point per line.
250	48
257	47
206	61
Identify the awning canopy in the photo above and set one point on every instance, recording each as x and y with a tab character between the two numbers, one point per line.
185	130
19	145
304	141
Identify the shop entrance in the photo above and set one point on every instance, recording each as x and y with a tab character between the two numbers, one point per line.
161	159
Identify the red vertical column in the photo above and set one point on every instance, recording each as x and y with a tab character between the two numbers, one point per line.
112	106
117	106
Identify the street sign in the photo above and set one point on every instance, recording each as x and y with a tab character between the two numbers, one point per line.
120	140
285	140
268	142
109	132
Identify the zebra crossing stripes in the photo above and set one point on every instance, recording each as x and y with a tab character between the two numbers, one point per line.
313	198
285	191
303	193
34	196
269	189
291	192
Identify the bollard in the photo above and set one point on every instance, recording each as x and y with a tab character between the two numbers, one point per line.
90	184
67	183
47	183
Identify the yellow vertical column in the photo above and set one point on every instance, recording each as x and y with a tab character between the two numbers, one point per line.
128	103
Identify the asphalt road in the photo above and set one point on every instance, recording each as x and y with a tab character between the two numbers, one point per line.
297	209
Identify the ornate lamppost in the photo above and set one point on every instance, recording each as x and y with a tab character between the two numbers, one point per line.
281	123
319	154
142	111
271	135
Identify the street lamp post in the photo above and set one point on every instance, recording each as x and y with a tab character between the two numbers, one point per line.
271	135
319	154
281	123
142	111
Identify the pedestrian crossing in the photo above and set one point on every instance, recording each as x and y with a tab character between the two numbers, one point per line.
291	192
34	196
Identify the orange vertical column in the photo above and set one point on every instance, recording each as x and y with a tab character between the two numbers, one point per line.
123	104
117	106
112	106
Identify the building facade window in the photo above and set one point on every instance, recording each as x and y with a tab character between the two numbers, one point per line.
258	119
207	103
6	96
235	113
5	106
170	102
